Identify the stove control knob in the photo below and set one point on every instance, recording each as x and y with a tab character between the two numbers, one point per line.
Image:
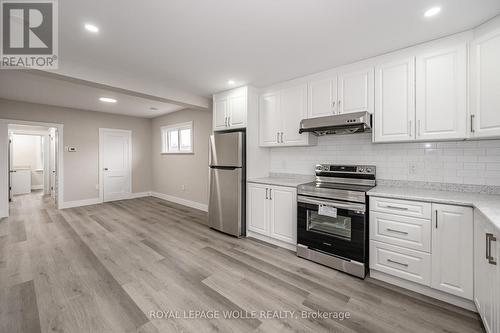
368	170
361	170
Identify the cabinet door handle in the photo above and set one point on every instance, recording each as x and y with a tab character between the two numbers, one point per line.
409	128
419	128
397	231
333	106
491	259
397	263
277	137
228	121
339	106
472	123
436	219
395	207
282	137
270	194
487	246
266	193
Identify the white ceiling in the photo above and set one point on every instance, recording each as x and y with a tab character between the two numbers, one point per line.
197	45
36	88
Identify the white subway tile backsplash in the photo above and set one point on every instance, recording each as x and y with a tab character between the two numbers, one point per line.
460	162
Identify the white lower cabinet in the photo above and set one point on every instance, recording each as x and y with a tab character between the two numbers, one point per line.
272	211
487	272
434	249
258	218
404	263
452	250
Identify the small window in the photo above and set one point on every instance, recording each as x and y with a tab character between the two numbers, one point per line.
177	139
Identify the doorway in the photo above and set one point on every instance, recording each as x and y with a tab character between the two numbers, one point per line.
30	161
115	164
32	157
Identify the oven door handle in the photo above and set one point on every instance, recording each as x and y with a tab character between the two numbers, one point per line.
331	203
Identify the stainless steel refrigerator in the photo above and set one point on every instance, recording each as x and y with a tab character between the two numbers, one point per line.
226	207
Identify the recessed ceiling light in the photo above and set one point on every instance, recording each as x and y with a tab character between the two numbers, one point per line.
432	11
91	27
153	108
231	82
107	100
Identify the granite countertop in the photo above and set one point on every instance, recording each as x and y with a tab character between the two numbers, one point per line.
282	181
488	204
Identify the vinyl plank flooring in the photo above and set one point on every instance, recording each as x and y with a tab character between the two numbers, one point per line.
109	267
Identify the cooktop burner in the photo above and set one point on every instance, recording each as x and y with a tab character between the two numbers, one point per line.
341	182
338	186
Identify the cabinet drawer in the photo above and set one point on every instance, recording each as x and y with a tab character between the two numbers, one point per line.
401	207
404	263
409	232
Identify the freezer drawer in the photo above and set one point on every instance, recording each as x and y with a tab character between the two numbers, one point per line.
225	207
226	149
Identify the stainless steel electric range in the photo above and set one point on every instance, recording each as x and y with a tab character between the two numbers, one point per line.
332	217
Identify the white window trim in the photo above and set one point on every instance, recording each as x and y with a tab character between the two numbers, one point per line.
178	127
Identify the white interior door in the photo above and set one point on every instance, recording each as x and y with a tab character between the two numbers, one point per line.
10	166
52	163
115	164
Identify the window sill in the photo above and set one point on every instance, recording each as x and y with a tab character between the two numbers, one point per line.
178	153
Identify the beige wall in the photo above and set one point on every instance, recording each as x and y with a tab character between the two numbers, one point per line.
27	151
170	172
81	130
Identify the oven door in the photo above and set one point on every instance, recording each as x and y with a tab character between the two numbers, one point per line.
331	226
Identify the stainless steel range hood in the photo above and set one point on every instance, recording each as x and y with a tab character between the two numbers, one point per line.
349	123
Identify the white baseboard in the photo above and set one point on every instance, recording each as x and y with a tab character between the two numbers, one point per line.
80	203
37	187
139	195
273	241
424	290
181	201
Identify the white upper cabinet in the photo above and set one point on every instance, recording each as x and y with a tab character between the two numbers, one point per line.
294	109
452	250
441	94
269	119
280	113
322	99
220	113
230	109
237	109
394	116
355	91
485	86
